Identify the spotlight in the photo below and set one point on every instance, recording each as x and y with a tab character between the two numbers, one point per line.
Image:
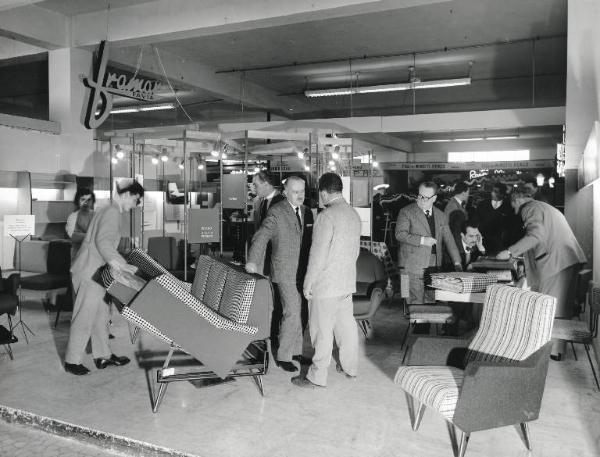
114	160
181	166
306	168
200	166
300	155
551	181
332	168
214	153
331	163
154	161
375	164
223	156
540	179
119	152
335	155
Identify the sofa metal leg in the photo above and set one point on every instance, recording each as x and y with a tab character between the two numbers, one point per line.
162	389
9	351
363	326
418	417
587	351
259	384
574	353
524	432
462	447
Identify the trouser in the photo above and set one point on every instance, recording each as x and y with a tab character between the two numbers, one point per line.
90	317
562	287
290	329
417	293
328	318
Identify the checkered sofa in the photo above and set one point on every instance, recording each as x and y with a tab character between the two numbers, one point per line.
214	319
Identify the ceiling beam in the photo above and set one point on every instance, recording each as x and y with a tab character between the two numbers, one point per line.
167	20
35	26
196	75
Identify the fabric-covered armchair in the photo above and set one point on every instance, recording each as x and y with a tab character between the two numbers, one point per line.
495	380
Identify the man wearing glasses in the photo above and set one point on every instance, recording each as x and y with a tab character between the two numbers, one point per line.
422	232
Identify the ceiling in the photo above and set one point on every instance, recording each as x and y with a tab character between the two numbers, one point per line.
260	69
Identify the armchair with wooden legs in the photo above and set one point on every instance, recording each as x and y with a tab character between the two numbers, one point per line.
495	380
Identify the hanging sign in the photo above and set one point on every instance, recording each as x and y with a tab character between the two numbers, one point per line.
103	85
468	165
204	225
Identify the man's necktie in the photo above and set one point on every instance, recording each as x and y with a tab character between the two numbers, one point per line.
427	213
298	217
468	249
263	209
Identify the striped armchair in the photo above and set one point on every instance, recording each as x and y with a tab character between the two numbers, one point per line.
495	380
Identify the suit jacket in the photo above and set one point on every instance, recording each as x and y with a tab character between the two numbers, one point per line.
456	215
335	247
100	244
278	197
549	243
290	244
411	226
494	224
475	254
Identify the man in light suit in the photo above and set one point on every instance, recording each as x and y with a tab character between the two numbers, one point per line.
422	232
455	210
288	227
552	254
329	284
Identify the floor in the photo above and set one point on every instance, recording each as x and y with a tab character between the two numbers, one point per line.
366	416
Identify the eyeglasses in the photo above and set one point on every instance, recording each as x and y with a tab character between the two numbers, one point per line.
424	198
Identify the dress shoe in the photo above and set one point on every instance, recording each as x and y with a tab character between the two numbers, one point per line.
301	381
76	369
113	360
302	360
287	366
556	357
111	336
339	369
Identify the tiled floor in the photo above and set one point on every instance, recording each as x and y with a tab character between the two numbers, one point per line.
362	417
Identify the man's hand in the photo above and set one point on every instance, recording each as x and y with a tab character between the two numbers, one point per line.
120	267
480	243
503	255
307	293
251	267
458	267
429	241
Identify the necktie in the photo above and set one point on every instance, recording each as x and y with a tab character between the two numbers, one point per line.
427	213
468	249
298	217
263	209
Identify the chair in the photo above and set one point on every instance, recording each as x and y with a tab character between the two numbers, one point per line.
9	301
581	332
495	380
371	280
425	314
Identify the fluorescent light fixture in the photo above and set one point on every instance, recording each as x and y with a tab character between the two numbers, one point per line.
468	139
507	137
442	140
137	109
389	87
489	156
447	140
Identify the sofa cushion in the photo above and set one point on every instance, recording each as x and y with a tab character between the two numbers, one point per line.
45	281
200	279
237	296
217	277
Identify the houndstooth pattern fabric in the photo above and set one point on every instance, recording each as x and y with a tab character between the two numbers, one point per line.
137	320
237	296
436	387
145	263
214	318
215	285
463	282
514	324
203	267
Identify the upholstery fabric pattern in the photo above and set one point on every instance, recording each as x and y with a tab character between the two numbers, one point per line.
237	297
216	279
515	323
436	387
203	267
463	282
135	319
145	263
172	286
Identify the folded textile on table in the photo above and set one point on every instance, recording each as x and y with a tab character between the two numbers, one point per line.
491	263
463	282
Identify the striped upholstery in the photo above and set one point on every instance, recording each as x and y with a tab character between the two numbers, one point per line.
203	267
217	276
515	323
237	296
436	387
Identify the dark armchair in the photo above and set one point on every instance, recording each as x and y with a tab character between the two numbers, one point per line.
9	301
495	380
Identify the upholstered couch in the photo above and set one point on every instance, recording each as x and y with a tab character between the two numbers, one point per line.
222	319
44	268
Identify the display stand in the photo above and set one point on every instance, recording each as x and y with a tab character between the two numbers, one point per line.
24	327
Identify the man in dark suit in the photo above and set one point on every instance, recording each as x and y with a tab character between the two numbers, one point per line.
470	246
422	232
267	195
455	210
551	252
494	216
288	227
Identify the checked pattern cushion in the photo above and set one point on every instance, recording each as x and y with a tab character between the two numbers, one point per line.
463	282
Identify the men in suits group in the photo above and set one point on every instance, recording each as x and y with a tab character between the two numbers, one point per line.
497	219
422	232
329	284
288	228
551	252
